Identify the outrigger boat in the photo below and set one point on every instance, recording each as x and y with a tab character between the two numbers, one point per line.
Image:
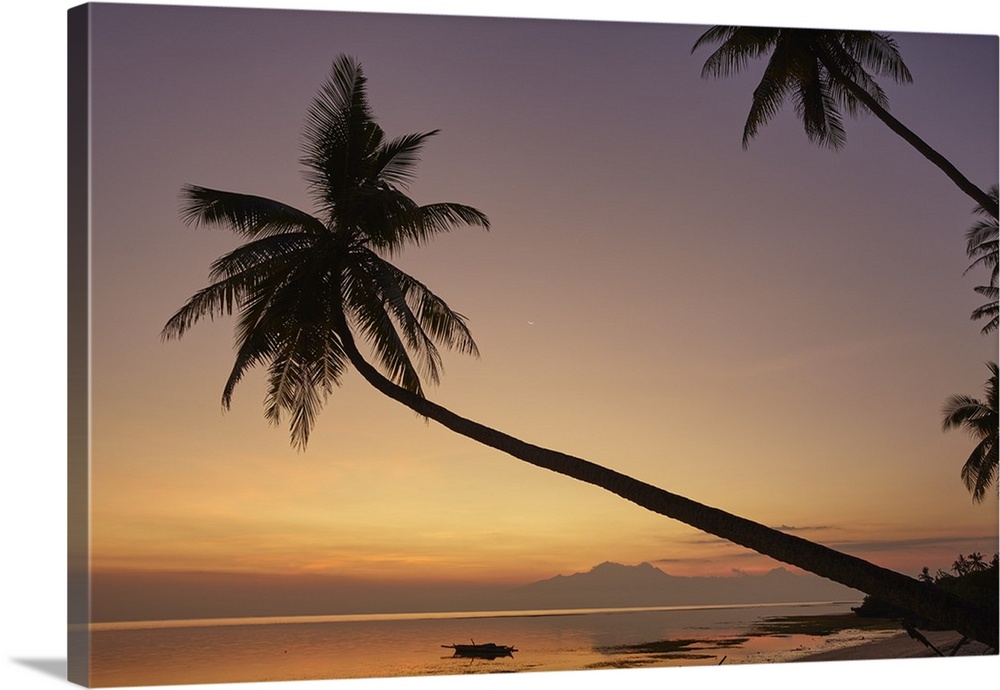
481	651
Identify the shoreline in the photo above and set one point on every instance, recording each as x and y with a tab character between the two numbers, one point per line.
897	645
848	638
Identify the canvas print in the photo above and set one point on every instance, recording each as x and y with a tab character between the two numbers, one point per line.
409	346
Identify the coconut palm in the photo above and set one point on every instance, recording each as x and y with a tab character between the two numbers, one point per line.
301	277
979	419
305	286
976	562
822	71
981	245
961	565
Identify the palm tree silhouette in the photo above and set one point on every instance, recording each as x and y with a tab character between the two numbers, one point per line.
822	71
305	285
981	245
961	565
301	278
979	419
976	562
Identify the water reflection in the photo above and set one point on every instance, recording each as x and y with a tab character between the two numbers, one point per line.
385	648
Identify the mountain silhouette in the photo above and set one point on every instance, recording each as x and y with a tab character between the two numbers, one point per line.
617	585
130	595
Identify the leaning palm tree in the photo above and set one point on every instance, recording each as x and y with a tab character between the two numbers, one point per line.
981	245
979	419
306	285
822	71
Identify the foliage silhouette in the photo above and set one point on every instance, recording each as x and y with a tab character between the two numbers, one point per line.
979	419
304	285
823	71
981	245
974	580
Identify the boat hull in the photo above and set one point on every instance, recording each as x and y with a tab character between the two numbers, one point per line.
481	651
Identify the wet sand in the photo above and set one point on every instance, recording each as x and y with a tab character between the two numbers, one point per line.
897	646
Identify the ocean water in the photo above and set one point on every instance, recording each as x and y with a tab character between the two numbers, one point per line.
324	647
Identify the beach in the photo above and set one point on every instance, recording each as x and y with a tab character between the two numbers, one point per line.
849	646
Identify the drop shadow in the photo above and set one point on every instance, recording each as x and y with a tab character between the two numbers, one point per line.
50	667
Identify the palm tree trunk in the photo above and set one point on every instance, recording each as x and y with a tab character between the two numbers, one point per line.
982	198
920	598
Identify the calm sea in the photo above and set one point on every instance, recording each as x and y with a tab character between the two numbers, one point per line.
320	647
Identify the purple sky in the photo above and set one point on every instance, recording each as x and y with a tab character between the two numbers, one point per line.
771	331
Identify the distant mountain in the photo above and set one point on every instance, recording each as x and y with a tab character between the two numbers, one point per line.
140	595
616	585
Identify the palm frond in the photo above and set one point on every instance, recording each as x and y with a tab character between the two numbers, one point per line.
979	418
382	215
299	380
264	256
365	305
445	327
242	278
981	238
339	133
982	246
964	411
770	93
817	108
259	332
218	299
283	378
444	216
285	326
831	50
716	34
990	311
396	160
739	45
246	214
858	54
390	220
877	52
258	348
980	469
424	320
419	344
435	219
986	253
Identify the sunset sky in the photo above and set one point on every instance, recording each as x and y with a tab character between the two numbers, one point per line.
770	331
